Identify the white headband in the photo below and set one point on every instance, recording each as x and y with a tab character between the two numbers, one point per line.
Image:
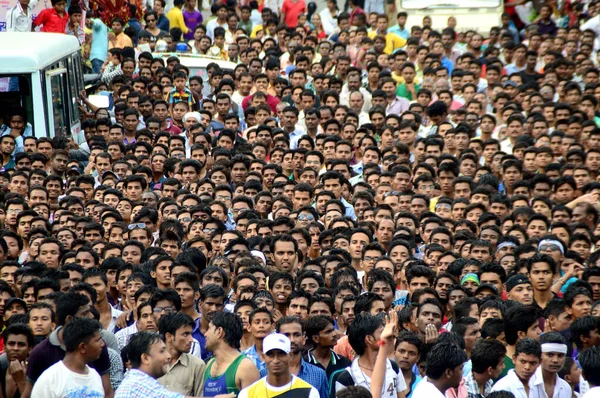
552	242
554	347
505	244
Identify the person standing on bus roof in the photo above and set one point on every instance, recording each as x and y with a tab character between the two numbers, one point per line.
53	19
18	18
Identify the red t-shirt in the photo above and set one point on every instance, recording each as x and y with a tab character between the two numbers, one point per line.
51	21
292	10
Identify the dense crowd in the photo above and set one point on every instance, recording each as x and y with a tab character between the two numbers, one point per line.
355	208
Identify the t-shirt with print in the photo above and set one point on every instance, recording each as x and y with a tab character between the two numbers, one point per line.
58	381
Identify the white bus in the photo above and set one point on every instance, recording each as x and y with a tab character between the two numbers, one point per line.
477	15
42	72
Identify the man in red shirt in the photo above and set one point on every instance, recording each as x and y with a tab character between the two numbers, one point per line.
290	11
53	19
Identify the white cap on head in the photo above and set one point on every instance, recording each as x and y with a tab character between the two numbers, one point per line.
260	255
192	115
277	341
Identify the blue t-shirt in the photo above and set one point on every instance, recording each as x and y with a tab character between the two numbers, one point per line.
99	48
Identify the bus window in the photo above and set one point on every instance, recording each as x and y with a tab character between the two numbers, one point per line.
16	90
58	120
74	85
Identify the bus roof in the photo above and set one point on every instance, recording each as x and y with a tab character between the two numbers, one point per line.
32	51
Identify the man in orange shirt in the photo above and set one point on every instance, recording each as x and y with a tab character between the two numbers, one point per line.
117	38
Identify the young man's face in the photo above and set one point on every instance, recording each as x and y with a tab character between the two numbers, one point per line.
525	365
116	26
17	347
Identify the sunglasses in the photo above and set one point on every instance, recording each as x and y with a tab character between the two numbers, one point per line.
140	225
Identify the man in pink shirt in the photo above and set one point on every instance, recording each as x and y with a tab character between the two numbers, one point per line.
290	11
53	19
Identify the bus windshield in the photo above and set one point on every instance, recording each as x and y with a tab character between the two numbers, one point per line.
448	4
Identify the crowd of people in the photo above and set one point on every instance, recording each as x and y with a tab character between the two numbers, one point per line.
358	208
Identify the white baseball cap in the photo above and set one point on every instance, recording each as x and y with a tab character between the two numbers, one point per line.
277	341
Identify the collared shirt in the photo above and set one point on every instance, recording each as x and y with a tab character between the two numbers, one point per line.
512	383
116	368
125	334
473	387
314	376
398	106
349	209
185	376
138	384
336	362
252	355
51	21
199	337
561	387
295	136
114	314
17	20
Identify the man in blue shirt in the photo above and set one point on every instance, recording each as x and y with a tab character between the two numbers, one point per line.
400	27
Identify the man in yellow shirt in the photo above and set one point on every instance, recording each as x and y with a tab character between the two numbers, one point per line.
175	16
392	41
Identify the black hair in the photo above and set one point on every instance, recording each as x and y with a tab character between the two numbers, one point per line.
80	330
231	325
172	322
19	329
68	305
168	295
314	325
519	319
528	346
590	365
582	327
443	356
140	344
487	353
363	325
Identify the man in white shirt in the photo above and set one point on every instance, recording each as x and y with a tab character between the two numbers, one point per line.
527	358
72	376
19	18
545	382
444	370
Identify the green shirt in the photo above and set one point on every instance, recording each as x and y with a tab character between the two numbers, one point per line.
403	92
508	365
